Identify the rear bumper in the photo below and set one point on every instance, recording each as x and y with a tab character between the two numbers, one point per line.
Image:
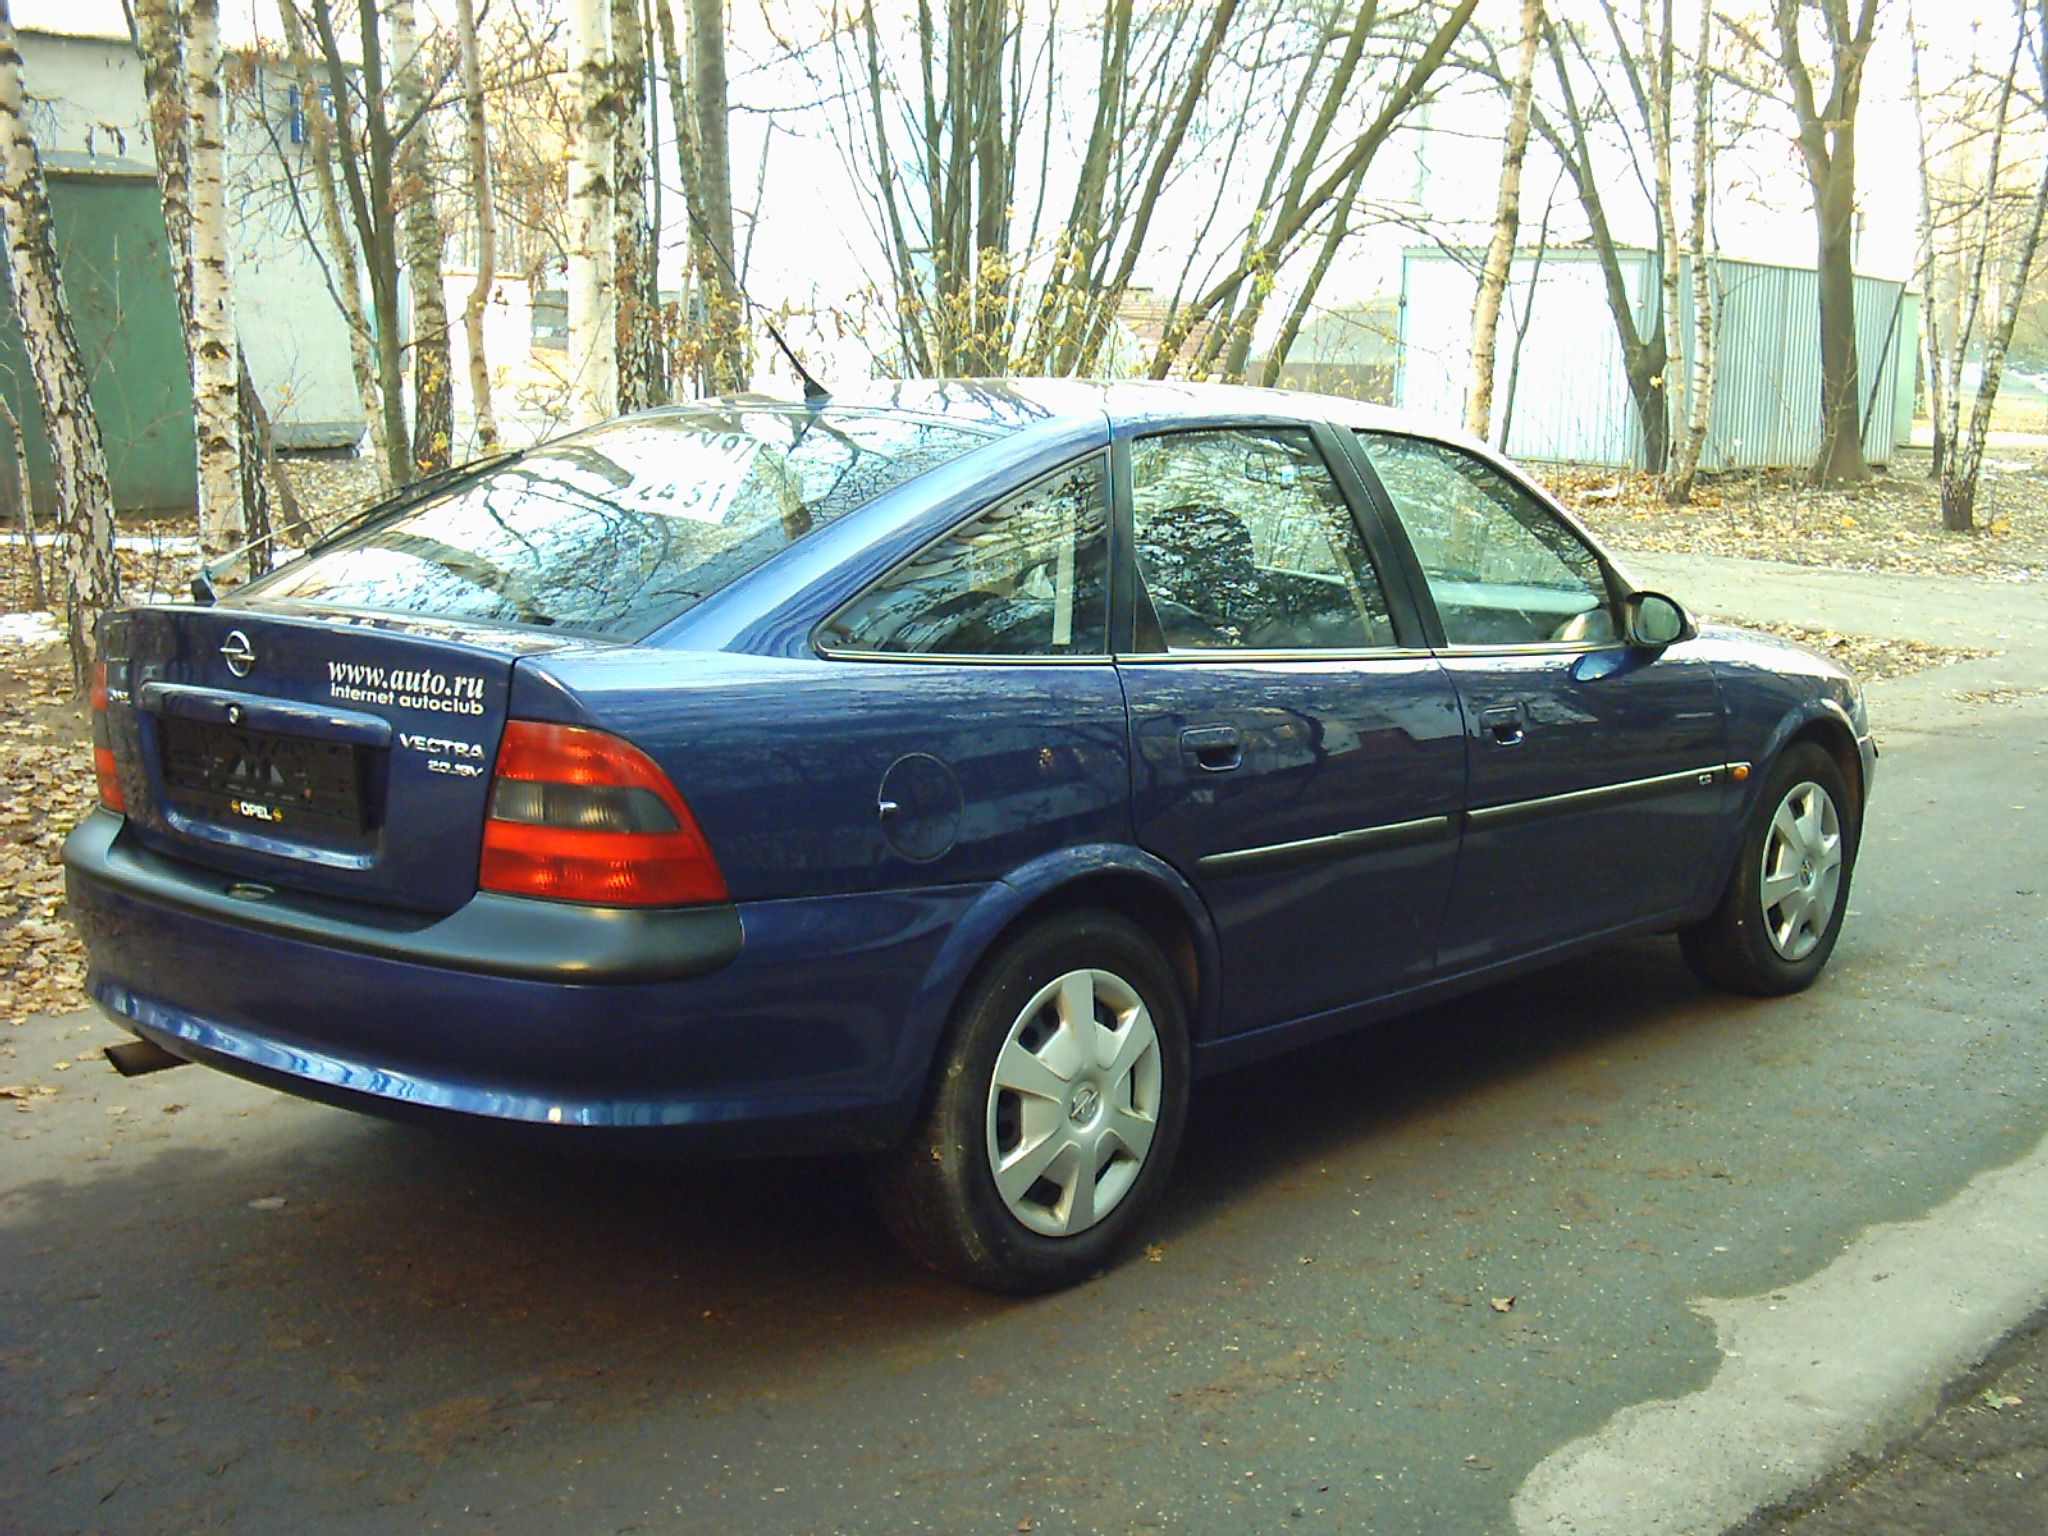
767	1027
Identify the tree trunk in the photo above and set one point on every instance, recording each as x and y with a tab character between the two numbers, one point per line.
1644	354
476	144
1699	393
1930	311
163	86
342	256
433	374
728	370
1326	255
593	336
1827	147
1507	223
38	593
637	294
78	464
366	172
1304	207
1841	398
215	406
1659	55
1959	485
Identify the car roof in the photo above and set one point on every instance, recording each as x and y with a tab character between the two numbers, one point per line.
1021	404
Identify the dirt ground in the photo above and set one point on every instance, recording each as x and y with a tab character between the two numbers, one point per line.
1893	523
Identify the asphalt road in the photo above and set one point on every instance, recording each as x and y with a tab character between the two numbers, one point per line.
1418	1280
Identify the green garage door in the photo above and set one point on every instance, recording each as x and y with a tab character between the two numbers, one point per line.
110	239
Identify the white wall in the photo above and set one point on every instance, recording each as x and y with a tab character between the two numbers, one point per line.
86	97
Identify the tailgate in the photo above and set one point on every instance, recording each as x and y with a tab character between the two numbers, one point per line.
350	757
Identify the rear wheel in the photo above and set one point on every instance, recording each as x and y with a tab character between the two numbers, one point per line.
1055	1112
1778	920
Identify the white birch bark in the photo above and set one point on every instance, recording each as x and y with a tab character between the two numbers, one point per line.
78	463
433	384
1659	69
215	414
593	313
477	146
1507	223
1699	388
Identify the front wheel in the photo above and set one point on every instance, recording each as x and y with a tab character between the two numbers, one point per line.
1778	920
1055	1113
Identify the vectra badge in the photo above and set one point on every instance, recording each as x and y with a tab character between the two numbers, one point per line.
239	654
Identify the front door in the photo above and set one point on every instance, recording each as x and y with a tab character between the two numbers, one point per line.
1297	762
1596	770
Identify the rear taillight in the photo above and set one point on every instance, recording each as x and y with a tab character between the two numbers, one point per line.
579	815
102	744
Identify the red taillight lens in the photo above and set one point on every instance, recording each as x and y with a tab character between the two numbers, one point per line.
102	744
578	815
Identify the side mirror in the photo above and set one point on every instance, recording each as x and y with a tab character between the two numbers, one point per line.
1650	621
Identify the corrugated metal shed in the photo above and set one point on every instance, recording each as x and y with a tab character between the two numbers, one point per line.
1570	398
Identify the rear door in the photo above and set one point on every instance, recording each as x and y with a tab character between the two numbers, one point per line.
1596	770
341	755
1296	753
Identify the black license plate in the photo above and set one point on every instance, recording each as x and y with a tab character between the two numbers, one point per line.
287	784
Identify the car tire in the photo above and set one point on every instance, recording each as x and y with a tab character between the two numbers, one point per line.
1068	1052
1782	911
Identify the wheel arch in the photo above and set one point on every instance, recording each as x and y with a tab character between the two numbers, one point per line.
1124	879
1824	724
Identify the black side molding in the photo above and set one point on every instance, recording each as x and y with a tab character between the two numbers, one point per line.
1335	845
491	935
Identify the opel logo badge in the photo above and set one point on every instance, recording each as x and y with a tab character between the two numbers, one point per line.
239	654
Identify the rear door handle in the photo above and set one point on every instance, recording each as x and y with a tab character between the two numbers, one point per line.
1213	748
1504	724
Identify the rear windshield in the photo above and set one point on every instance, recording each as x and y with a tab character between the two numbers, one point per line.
618	529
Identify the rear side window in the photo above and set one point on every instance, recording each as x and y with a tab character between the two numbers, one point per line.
1027	577
619	529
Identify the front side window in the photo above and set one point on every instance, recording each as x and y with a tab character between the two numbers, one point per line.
1027	577
1244	542
616	530
1501	567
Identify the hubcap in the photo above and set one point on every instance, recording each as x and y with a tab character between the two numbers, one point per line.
1074	1102
1802	870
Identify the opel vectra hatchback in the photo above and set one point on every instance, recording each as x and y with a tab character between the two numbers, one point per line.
949	774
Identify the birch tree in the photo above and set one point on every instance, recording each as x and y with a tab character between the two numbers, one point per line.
637	295
1507	221
211	331
593	321
78	464
1966	460
1691	437
714	343
477	150
433	381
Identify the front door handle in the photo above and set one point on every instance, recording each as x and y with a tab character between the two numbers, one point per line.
1213	748
1504	723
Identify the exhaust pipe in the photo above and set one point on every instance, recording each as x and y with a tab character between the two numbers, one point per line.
132	1058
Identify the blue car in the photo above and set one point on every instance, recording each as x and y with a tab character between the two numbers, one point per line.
949	773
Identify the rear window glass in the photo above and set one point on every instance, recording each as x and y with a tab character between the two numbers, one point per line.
619	529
